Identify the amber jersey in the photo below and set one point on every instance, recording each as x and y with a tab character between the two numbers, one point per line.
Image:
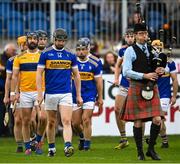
27	62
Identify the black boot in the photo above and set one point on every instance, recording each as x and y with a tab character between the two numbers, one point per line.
138	140
153	136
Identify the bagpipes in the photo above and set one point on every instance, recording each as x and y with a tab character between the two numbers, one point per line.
138	11
172	44
160	58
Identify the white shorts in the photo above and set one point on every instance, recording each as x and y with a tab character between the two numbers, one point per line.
28	99
53	100
18	106
122	91
87	105
165	104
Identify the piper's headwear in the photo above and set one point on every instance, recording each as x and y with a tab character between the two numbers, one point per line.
140	27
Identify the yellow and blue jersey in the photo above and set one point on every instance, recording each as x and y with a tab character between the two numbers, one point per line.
163	82
58	66
27	62
88	71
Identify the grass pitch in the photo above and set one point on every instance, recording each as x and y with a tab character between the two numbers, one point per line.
102	152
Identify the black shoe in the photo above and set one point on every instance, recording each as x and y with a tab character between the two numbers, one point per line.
141	156
153	155
165	145
81	144
147	141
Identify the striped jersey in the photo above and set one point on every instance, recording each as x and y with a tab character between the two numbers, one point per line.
58	66
27	62
88	71
97	60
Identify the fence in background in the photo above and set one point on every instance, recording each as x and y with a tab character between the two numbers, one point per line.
100	19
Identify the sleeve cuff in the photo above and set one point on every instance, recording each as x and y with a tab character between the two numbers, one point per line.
175	71
41	66
8	71
99	75
74	67
141	75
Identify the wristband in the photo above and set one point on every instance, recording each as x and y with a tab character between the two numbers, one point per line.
12	94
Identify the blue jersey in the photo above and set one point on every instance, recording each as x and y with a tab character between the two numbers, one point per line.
9	65
58	66
97	60
88	71
124	82
163	82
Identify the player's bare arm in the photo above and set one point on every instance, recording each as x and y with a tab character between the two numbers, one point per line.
14	83
77	81
39	76
99	87
117	70
7	88
175	88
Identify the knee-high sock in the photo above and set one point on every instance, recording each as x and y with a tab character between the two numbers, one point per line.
154	131
138	139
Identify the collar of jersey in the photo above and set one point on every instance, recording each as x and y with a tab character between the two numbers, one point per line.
32	52
57	49
89	55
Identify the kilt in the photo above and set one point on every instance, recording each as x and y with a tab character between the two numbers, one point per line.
137	108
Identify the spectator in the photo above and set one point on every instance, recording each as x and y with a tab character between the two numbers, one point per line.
109	62
94	47
9	51
134	19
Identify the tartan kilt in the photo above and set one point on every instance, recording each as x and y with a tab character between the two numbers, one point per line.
137	108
